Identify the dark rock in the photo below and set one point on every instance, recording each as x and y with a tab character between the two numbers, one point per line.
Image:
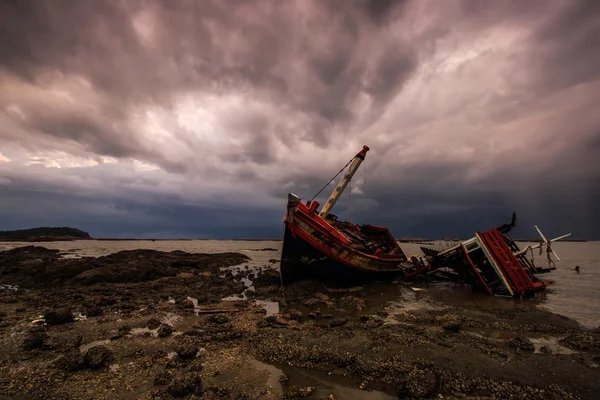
74	342
521	343
124	330
545	349
328	316
153	323
127	306
296	315
97	357
364	318
58	317
269	277
164	331
34	340
94	311
284	379
218	319
186	348
583	341
338	322
71	361
383	314
162	378
451	327
312	315
241	303
185	385
266	290
421	383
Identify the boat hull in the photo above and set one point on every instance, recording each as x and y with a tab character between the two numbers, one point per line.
301	260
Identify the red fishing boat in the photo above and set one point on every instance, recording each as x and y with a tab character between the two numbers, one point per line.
317	244
492	262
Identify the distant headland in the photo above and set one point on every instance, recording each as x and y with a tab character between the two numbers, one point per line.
44	234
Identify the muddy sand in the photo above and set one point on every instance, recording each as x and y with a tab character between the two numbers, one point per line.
152	325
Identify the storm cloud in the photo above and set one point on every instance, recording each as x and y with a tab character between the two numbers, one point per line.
193	118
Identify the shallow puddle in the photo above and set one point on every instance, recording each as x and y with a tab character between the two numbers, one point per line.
142	331
324	384
271	307
85	347
552	343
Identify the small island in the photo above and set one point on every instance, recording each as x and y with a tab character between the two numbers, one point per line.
44	234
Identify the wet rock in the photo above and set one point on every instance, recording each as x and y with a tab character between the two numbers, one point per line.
124	330
71	361
545	350
241	303
164	331
453	327
298	393
74	342
34	340
186	348
583	341
94	311
185	385
272	320
58	317
218	319
267	278
266	290
420	383
162	378
296	315
97	357
284	379
153	323
521	343
338	322
216	392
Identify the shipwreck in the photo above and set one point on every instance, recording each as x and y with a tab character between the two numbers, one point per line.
317	244
492	262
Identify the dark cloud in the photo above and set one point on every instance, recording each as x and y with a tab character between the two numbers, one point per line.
149	114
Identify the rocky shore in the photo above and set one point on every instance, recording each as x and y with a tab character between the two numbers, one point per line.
153	325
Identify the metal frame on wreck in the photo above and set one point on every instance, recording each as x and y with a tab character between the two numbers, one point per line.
492	262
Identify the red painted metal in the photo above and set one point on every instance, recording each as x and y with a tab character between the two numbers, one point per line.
319	223
521	282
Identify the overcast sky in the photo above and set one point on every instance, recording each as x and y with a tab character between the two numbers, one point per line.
184	118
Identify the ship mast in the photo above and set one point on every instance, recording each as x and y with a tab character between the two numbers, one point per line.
358	159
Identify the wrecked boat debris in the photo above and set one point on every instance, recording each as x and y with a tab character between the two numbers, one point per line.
493	263
317	244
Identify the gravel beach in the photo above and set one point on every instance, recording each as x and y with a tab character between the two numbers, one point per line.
145	324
